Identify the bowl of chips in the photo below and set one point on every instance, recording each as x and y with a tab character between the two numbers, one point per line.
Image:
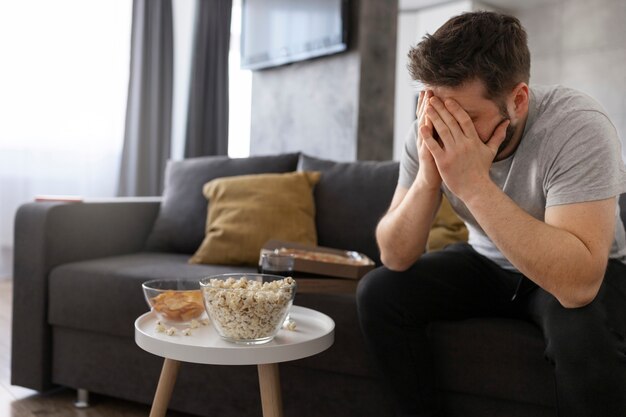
174	301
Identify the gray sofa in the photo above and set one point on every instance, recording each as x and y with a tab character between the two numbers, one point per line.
77	291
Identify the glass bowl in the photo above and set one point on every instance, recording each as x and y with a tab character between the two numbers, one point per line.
174	301
248	308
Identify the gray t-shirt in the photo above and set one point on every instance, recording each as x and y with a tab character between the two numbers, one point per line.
569	153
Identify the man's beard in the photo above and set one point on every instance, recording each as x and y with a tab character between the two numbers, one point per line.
510	129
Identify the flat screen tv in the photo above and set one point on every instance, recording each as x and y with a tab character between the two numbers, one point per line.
277	32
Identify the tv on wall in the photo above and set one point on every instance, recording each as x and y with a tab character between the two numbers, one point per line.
277	32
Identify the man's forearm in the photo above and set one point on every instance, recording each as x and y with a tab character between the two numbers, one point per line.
555	259
403	232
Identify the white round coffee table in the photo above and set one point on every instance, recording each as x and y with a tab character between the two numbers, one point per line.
314	333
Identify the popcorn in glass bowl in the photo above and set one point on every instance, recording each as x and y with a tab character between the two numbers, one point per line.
248	308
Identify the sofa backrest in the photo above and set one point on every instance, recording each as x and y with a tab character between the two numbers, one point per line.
350	199
180	225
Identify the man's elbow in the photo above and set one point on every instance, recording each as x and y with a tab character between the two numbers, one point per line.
582	296
396	263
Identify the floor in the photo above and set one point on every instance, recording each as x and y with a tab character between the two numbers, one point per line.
20	402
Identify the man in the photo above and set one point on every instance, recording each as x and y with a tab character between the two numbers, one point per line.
535	174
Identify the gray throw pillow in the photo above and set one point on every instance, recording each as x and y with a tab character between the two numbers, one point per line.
350	199
180	225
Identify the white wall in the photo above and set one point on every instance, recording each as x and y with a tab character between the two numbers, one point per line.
581	44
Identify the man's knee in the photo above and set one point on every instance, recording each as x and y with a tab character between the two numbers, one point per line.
373	288
573	335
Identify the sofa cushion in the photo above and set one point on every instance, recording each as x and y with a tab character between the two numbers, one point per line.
181	221
447	228
350	199
105	295
248	210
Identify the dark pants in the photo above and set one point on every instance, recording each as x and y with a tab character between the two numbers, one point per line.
585	345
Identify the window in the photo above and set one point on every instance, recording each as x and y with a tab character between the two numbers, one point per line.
240	92
64	83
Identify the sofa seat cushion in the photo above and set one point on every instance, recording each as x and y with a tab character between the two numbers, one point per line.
105	295
508	354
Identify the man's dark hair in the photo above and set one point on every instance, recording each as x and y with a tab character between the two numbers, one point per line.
481	45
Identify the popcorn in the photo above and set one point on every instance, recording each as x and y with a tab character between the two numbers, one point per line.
243	309
187	332
290	325
160	327
171	331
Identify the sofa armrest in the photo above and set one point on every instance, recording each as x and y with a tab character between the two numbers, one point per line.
48	234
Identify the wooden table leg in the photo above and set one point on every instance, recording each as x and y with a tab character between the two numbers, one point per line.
169	372
269	382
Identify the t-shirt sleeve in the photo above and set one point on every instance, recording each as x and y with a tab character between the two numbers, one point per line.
588	164
409	162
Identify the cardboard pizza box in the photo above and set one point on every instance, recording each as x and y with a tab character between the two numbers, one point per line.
324	267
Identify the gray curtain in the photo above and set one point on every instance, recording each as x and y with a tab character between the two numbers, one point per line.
207	122
147	135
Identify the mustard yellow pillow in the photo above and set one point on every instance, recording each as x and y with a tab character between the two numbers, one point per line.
447	228
248	210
